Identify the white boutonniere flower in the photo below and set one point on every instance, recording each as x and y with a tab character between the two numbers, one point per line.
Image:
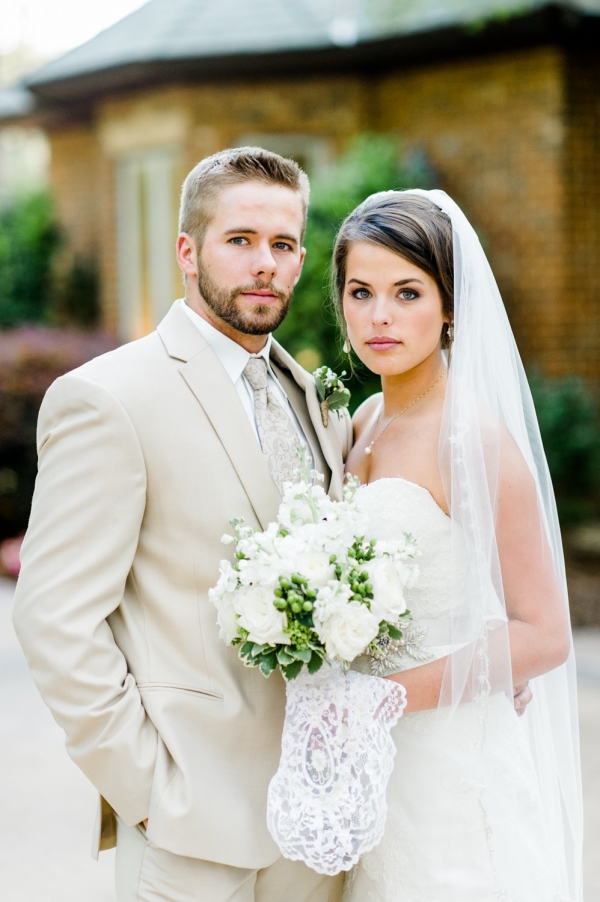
332	393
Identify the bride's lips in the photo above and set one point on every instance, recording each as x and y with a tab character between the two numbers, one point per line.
383	343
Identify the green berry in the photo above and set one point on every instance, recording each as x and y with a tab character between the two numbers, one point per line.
296	607
307	606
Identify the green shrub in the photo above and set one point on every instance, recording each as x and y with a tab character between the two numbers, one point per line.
31	288
31	358
29	239
76	300
372	163
570	428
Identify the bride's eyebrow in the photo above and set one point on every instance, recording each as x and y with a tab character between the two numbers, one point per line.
396	284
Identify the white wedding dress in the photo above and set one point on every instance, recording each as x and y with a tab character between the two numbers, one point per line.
439	845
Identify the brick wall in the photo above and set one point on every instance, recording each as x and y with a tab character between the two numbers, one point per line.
74	173
515	139
577	335
493	129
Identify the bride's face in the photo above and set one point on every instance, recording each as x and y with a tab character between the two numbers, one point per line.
393	310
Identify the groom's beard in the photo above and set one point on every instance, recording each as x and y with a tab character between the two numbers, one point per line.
227	305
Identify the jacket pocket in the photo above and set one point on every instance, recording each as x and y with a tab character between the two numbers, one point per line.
176	687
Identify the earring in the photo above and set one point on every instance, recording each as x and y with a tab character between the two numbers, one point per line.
346	347
450	332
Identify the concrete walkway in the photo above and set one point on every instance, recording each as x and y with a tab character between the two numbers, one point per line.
47	806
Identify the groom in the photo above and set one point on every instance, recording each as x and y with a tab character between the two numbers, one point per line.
145	454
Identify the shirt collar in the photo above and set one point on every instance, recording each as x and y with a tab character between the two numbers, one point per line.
232	356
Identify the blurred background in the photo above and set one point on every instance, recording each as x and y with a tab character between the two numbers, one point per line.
105	108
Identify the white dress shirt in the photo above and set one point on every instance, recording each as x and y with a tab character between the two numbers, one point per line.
233	358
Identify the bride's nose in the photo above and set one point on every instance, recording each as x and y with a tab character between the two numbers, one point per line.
380	313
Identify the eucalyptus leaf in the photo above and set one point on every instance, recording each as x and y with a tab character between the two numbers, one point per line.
338	399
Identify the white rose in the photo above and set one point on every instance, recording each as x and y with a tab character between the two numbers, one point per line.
388	599
350	631
258	615
226	617
315	566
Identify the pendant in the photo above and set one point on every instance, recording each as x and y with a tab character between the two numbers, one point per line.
368	449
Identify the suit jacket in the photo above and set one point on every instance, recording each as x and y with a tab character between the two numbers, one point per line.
145	454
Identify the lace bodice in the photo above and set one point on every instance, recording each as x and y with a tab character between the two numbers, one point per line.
396	506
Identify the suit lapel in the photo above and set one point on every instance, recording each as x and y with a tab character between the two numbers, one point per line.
216	393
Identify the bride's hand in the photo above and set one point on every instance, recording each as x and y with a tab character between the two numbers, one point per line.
522	695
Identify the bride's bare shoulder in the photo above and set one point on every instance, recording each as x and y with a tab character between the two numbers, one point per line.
363	415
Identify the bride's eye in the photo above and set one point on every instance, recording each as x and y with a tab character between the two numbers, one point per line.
361	294
408	294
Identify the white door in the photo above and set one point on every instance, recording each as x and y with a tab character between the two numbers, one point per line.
146	231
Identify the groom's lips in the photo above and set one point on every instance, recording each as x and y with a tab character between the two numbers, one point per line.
383	343
260	297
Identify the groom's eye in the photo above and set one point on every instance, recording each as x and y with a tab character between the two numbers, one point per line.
282	246
239	240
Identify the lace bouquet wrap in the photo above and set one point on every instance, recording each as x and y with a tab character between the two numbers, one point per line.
327	802
307	596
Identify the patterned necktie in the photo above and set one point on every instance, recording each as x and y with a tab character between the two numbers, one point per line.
278	437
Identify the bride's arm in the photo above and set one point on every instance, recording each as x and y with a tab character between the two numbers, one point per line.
538	629
538	613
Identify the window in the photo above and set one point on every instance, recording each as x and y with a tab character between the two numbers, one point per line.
146	231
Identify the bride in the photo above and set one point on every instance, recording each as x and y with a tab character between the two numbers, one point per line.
483	806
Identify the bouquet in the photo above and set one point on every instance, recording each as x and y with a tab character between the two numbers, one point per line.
312	588
307	596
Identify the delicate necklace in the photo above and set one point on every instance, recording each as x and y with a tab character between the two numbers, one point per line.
369	448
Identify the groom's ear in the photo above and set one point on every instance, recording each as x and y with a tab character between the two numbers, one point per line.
187	255
302	256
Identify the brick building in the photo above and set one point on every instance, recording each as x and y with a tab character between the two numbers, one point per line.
503	97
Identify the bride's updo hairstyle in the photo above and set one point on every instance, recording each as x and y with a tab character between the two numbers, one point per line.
408	225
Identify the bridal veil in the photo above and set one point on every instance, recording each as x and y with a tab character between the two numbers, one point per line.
489	415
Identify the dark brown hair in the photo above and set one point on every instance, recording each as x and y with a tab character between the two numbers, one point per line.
229	167
409	225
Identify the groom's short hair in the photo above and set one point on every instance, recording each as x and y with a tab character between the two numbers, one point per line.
229	167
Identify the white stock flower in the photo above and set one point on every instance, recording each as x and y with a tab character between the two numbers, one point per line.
350	630
258	615
227	618
330	599
227	581
388	599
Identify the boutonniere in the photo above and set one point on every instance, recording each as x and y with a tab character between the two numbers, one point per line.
332	393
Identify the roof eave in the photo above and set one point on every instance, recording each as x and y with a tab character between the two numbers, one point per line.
551	25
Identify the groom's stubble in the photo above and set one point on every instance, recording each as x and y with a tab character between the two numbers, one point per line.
225	303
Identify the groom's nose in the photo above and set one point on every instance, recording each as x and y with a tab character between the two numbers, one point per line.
263	262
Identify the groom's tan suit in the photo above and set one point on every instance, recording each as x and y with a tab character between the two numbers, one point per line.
145	455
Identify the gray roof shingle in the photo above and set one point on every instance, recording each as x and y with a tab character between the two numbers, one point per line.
185	29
